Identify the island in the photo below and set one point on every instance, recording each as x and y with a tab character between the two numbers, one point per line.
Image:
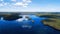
11	16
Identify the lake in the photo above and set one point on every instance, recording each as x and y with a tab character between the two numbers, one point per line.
24	26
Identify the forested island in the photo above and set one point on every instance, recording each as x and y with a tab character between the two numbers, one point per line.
10	16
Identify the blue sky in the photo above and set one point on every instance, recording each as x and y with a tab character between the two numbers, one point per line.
29	5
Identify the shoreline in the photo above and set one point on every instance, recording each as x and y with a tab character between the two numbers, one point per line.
52	27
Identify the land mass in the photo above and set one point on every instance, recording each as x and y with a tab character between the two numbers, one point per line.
52	20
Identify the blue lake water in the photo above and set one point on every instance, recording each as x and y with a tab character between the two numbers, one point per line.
26	27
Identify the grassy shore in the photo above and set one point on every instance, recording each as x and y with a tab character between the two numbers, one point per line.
52	20
53	23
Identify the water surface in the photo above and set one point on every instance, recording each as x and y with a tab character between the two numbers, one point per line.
26	27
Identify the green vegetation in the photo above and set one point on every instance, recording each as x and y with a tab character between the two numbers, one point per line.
12	16
54	23
49	15
52	20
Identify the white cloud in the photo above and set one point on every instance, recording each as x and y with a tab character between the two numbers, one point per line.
24	3
5	3
18	3
24	0
24	6
14	0
21	4
1	5
27	1
1	0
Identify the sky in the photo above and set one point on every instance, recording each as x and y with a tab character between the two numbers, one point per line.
29	5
